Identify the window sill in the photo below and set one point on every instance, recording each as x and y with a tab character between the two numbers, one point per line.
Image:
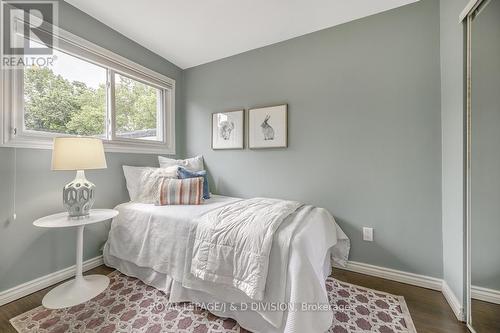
114	147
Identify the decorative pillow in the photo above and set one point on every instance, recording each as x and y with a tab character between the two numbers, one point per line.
187	191
150	181
183	173
133	178
192	164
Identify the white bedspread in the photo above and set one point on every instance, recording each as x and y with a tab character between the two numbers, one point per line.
150	243
232	243
156	236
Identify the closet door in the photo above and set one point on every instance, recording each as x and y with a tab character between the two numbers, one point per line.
484	167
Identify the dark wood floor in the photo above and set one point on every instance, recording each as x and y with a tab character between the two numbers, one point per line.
485	317
428	308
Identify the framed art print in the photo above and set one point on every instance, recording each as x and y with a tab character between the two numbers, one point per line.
267	127
227	130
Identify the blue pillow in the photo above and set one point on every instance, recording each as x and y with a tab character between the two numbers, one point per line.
184	173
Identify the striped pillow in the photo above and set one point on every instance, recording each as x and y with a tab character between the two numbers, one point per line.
187	191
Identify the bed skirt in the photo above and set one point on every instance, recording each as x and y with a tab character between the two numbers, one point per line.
249	320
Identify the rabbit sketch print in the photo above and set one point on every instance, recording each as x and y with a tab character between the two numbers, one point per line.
268	127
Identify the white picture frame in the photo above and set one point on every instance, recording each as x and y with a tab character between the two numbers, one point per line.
268	127
228	130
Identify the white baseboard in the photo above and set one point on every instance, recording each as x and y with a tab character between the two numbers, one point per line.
412	279
485	294
48	280
395	275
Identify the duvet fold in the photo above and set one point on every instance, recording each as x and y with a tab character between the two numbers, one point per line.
232	244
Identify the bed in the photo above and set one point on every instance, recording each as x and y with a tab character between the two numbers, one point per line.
152	243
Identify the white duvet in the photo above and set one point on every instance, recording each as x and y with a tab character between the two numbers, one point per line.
232	243
151	242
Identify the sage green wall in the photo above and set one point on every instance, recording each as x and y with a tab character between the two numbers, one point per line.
364	129
452	120
27	252
364	101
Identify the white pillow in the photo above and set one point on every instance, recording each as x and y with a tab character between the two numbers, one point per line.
150	182
134	177
192	164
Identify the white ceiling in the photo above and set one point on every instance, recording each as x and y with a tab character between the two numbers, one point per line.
194	32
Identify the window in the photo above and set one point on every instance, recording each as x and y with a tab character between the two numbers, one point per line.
89	91
137	108
66	98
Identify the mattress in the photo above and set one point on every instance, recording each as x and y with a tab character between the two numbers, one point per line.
149	242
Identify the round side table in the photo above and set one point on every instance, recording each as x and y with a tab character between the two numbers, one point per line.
81	288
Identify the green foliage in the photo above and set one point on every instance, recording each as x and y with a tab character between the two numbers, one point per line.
54	104
135	105
50	100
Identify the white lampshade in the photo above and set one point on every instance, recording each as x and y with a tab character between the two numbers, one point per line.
70	153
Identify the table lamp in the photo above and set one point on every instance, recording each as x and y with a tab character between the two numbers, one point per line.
79	154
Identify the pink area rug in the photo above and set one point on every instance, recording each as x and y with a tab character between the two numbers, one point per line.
128	305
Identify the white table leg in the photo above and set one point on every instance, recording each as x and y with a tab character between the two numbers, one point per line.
77	290
79	252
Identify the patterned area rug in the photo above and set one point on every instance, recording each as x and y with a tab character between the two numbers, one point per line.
128	305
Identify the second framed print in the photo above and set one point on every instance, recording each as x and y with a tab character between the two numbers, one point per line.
227	129
267	127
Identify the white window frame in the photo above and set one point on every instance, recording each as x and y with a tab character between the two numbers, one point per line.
12	129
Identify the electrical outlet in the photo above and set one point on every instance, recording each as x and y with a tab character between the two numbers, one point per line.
368	234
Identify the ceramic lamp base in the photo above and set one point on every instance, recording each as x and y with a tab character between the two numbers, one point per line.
79	196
